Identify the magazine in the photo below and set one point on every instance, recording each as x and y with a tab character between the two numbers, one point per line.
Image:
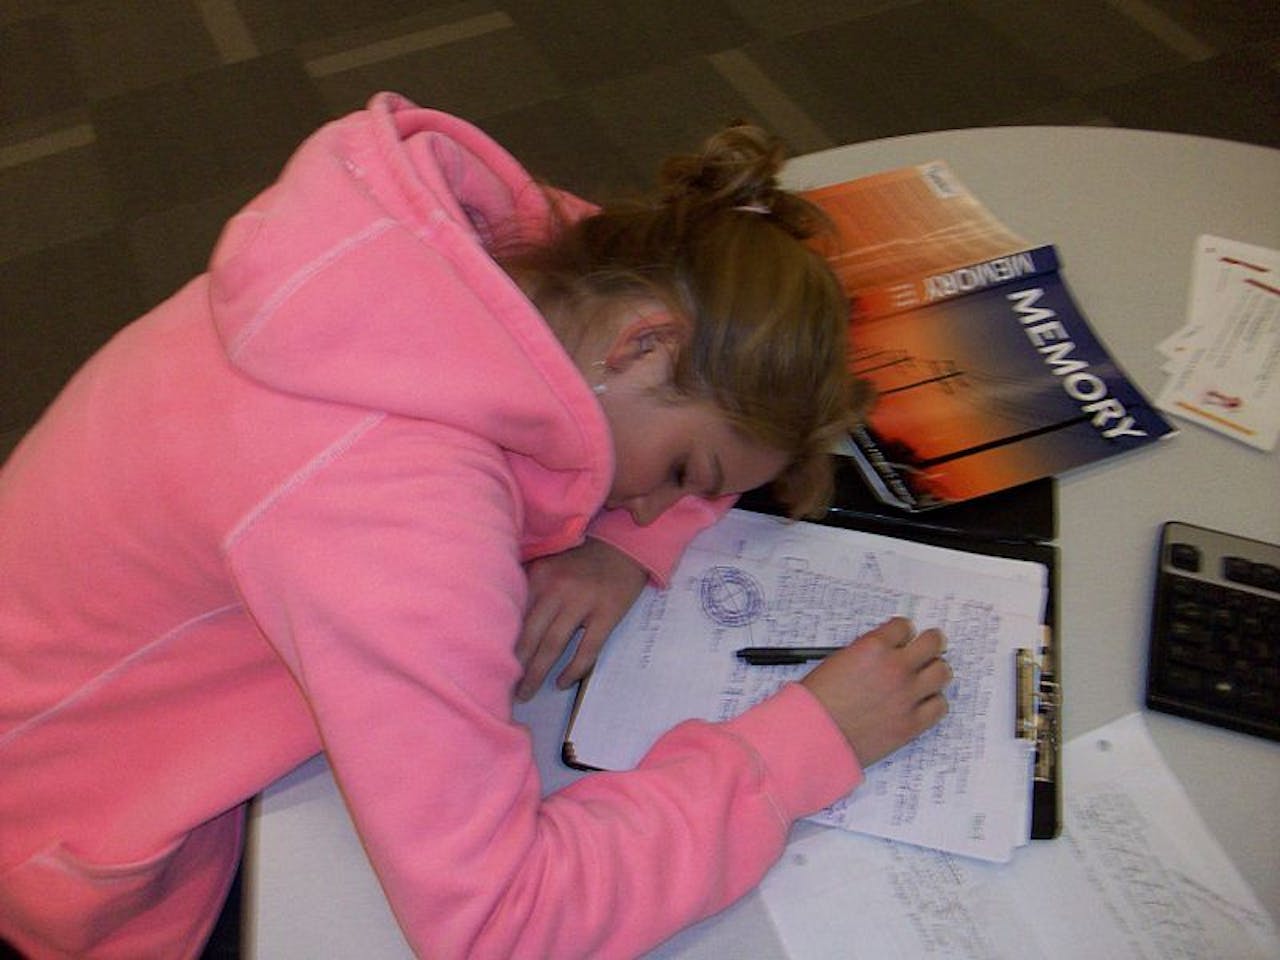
987	373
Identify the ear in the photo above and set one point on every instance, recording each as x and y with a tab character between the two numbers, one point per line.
649	341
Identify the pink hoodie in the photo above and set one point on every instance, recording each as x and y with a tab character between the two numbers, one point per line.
285	512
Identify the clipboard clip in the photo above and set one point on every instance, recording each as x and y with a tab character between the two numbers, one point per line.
1036	720
1027	678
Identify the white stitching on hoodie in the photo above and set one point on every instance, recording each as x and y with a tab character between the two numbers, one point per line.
301	276
105	676
325	456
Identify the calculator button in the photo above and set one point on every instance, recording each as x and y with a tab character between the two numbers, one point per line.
1190	612
1185	557
1184	680
1259	700
1267	577
1237	569
1222	692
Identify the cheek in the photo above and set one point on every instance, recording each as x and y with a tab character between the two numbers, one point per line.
634	471
771	467
623	466
639	450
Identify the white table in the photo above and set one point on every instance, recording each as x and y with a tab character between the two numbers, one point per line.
1124	209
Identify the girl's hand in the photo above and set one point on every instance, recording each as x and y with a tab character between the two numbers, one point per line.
885	689
589	587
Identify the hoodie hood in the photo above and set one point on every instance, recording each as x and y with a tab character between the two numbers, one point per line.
364	277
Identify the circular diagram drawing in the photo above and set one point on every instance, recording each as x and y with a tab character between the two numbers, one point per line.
730	596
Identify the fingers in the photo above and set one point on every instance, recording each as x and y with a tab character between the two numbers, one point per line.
886	688
926	646
896	632
929	712
537	623
924	702
933	678
588	588
543	643
922	655
933	675
584	657
550	646
918	648
548	630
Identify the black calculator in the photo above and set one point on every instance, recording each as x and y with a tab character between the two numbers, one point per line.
1215	630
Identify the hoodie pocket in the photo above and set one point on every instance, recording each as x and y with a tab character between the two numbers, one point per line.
71	904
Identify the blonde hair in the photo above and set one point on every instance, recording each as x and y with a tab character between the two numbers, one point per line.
725	247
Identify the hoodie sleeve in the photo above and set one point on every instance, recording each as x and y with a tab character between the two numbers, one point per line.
658	546
387	576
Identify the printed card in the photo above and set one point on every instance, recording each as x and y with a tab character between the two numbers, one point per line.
1224	362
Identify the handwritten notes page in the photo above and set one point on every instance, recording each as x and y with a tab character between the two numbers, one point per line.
1135	876
757	581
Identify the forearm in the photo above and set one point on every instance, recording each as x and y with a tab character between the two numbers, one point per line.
616	863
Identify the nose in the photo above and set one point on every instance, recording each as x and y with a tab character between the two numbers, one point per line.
646	509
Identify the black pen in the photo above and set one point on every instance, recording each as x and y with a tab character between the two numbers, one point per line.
780	656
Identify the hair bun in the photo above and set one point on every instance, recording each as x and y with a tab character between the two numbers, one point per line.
736	167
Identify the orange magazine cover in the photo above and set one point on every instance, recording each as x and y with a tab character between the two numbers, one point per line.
987	373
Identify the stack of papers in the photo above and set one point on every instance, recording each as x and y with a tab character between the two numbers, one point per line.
1224	363
1136	876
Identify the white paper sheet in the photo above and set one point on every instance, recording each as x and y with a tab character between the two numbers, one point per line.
757	581
1135	876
